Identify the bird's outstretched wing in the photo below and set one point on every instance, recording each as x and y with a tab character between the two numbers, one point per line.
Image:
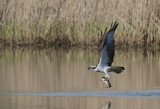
106	46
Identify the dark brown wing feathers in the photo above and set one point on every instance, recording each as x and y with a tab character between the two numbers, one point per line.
113	26
103	37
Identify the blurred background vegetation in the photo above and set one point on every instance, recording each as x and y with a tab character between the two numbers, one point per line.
73	22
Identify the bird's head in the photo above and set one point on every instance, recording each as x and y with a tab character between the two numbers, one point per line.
92	67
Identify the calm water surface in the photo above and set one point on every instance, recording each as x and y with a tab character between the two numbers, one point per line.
49	78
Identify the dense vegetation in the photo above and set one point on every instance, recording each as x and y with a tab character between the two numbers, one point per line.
74	22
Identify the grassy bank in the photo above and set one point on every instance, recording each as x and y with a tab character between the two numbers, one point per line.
65	23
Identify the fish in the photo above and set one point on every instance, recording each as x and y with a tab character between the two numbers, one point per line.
105	80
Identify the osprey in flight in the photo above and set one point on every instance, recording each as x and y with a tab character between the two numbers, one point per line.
106	49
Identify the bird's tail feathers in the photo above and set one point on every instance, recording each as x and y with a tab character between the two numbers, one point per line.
116	69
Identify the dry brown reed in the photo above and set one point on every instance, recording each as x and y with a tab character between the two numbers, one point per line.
72	22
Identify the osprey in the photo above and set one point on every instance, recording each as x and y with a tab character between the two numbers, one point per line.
106	49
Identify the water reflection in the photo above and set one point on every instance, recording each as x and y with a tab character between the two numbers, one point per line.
107	106
31	69
50	70
38	102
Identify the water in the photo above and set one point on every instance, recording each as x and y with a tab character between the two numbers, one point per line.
49	78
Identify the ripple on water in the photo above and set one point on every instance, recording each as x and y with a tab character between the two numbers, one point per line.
131	94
